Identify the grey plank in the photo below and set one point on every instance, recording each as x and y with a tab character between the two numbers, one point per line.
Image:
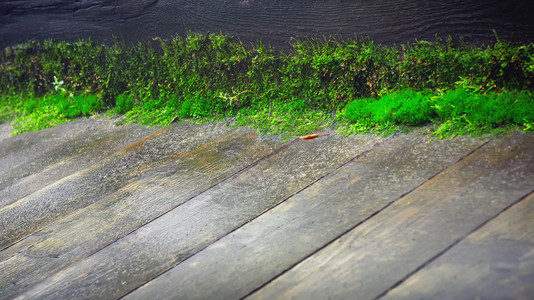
90	229
157	246
374	256
66	158
25	147
495	262
85	187
251	256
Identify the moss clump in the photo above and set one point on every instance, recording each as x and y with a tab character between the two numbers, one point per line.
207	76
456	111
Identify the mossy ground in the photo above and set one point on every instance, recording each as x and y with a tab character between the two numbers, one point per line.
352	86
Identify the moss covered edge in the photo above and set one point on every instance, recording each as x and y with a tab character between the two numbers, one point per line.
351	85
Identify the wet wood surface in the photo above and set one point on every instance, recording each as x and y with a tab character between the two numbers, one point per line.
154	194
216	212
29	174
88	185
373	257
306	222
495	262
192	226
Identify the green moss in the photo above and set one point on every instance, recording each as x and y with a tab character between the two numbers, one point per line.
457	111
35	113
404	107
353	84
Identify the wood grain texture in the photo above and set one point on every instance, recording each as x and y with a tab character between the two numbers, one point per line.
287	234
376	255
273	21
87	186
85	232
23	148
65	158
495	262
175	236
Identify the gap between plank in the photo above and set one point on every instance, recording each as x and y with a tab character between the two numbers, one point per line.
364	220
276	151
265	211
230	177
384	293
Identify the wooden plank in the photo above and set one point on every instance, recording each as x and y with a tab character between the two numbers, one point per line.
155	193
374	256
495	262
25	147
91	184
66	158
251	256
274	22
152	249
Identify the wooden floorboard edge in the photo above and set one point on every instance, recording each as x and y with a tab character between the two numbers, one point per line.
268	209
366	219
6	247
422	266
281	148
274	152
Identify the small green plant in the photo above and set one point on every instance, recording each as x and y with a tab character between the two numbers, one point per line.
58	85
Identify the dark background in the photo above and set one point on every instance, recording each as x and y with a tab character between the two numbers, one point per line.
273	21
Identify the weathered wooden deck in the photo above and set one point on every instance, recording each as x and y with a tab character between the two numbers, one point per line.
91	210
